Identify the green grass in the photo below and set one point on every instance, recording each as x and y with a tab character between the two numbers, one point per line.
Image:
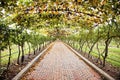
113	55
14	50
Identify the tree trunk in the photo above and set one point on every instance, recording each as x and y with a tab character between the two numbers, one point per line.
18	54
91	48
86	47
34	51
107	42
22	58
67	41
0	60
29	49
118	45
9	60
39	47
98	59
43	45
81	45
70	43
73	44
88	44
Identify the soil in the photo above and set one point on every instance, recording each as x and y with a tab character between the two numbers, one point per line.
111	70
15	68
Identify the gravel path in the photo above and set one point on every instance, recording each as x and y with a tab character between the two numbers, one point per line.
60	63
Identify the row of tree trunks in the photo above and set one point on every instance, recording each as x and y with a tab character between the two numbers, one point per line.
105	52
21	52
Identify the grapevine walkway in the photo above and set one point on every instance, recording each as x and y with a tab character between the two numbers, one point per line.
60	63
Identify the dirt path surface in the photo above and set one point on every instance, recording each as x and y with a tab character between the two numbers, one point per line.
61	64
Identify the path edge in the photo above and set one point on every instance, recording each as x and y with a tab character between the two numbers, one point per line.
100	71
28	66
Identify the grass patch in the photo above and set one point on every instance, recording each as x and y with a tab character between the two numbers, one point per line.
113	54
14	50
